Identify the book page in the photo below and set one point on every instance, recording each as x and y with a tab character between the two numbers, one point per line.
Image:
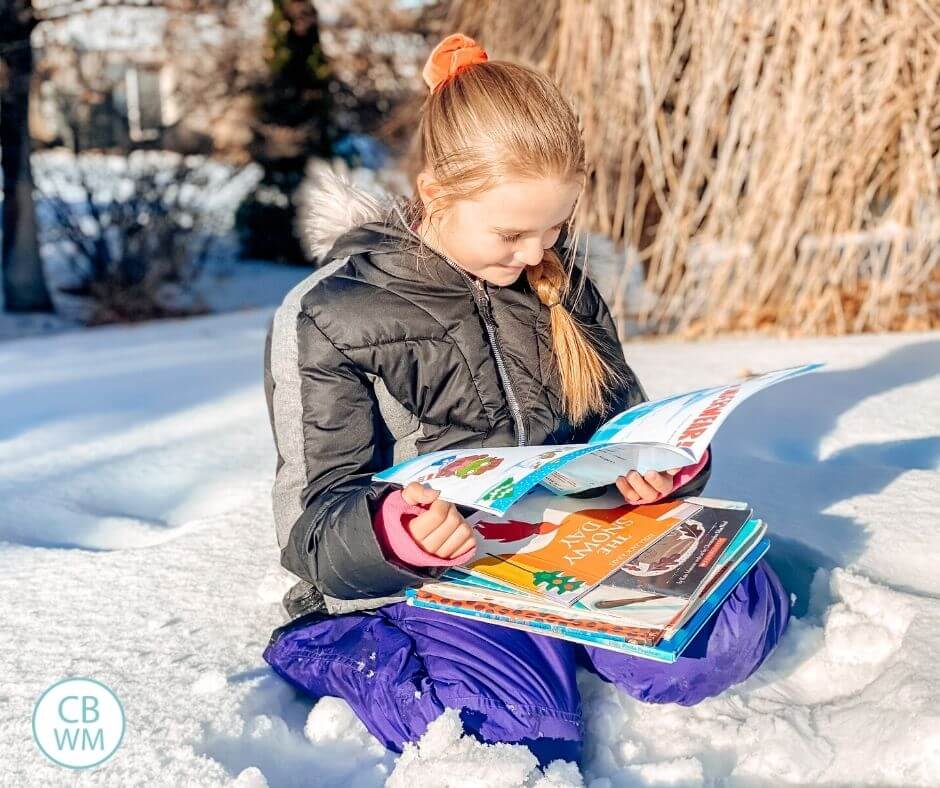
610	460
689	420
494	479
663	434
489	479
558	624
630	608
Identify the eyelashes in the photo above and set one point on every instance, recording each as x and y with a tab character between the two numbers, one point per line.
516	236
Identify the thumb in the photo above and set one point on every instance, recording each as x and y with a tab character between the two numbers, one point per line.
416	493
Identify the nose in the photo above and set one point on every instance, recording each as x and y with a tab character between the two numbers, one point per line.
531	253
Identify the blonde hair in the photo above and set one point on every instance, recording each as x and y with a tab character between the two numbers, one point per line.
497	120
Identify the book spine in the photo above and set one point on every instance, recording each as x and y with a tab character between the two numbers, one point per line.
551	630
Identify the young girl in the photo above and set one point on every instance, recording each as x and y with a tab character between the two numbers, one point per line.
454	320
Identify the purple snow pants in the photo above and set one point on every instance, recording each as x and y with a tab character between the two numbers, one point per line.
398	667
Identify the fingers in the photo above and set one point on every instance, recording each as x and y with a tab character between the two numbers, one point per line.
442	530
471	542
628	493
417	493
453	523
447	543
427	522
461	539
638	489
661	482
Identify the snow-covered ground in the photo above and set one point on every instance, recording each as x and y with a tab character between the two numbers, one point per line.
138	549
223	285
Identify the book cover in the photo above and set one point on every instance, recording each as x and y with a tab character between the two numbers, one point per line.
625	607
679	563
561	548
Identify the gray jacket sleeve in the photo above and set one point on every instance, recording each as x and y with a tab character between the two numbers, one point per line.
332	543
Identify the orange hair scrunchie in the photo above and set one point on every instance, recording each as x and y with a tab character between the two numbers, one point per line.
453	54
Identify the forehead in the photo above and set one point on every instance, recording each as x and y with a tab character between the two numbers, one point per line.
526	204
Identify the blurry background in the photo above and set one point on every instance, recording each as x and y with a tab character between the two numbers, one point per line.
753	166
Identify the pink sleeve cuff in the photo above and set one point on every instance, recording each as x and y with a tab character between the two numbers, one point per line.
397	543
688	473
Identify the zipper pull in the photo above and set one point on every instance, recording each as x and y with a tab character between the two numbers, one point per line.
485	306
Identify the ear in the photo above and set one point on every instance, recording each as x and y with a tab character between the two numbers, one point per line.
428	187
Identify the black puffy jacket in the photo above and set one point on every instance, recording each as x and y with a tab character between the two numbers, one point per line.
388	350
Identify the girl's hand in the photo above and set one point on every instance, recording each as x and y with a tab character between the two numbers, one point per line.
649	487
441	530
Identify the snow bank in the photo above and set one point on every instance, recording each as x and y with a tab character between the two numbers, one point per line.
137	548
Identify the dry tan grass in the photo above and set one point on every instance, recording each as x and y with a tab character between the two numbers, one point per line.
775	164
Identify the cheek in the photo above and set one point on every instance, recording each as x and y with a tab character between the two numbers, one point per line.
475	249
496	251
485	252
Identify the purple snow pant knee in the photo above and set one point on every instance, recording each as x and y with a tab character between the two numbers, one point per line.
728	649
399	667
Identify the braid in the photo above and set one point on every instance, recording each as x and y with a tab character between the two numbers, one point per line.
586	378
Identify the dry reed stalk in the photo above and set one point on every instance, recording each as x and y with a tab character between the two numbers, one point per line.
798	143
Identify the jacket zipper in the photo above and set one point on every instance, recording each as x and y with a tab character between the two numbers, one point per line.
486	311
483	304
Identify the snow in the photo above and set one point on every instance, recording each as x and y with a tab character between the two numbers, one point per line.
138	549
223	285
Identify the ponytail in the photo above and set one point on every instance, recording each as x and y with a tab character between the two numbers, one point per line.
586	378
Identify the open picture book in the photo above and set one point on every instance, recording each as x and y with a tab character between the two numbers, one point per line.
637	579
658	435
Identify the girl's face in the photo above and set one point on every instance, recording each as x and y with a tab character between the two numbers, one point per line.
501	231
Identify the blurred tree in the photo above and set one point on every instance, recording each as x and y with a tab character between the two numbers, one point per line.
24	286
293	124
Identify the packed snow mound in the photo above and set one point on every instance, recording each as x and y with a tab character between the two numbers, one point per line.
137	547
839	687
446	757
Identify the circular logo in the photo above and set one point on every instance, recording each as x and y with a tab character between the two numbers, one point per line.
78	723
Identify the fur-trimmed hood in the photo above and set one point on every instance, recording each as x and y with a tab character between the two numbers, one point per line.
332	206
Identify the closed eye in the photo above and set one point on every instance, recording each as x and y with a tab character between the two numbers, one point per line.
513	237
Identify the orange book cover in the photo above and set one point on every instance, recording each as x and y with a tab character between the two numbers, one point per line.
562	546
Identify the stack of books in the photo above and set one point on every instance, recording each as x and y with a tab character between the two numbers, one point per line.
637	579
